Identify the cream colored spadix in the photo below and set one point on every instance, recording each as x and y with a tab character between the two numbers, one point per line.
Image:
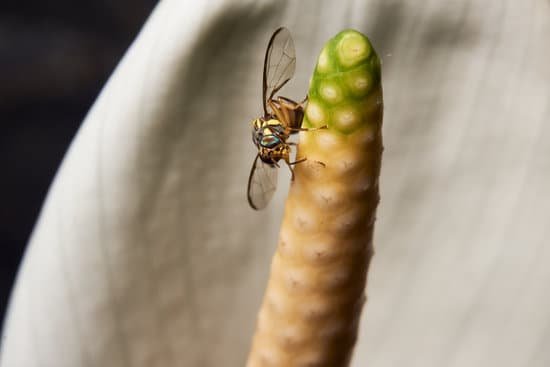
313	301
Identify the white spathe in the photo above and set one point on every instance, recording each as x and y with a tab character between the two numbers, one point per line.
147	254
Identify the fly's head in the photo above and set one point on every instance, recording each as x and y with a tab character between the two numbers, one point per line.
269	136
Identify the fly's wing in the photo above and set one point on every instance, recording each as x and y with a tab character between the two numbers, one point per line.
262	183
279	63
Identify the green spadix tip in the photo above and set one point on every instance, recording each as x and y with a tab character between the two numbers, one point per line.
345	87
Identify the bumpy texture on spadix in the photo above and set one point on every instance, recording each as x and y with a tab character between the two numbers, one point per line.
311	308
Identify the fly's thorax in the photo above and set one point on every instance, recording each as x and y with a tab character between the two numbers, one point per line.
257	131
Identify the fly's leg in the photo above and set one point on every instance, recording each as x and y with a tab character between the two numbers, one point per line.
297	161
302	159
287	111
290	164
280	111
291	171
296	129
287	103
293	106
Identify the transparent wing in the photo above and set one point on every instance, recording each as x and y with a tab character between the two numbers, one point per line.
262	183
279	63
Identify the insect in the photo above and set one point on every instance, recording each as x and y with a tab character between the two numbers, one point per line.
282	117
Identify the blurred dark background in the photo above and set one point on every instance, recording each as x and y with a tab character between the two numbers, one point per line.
54	58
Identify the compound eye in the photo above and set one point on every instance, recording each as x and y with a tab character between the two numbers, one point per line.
270	141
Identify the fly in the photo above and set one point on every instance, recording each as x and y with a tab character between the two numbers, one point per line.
282	117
